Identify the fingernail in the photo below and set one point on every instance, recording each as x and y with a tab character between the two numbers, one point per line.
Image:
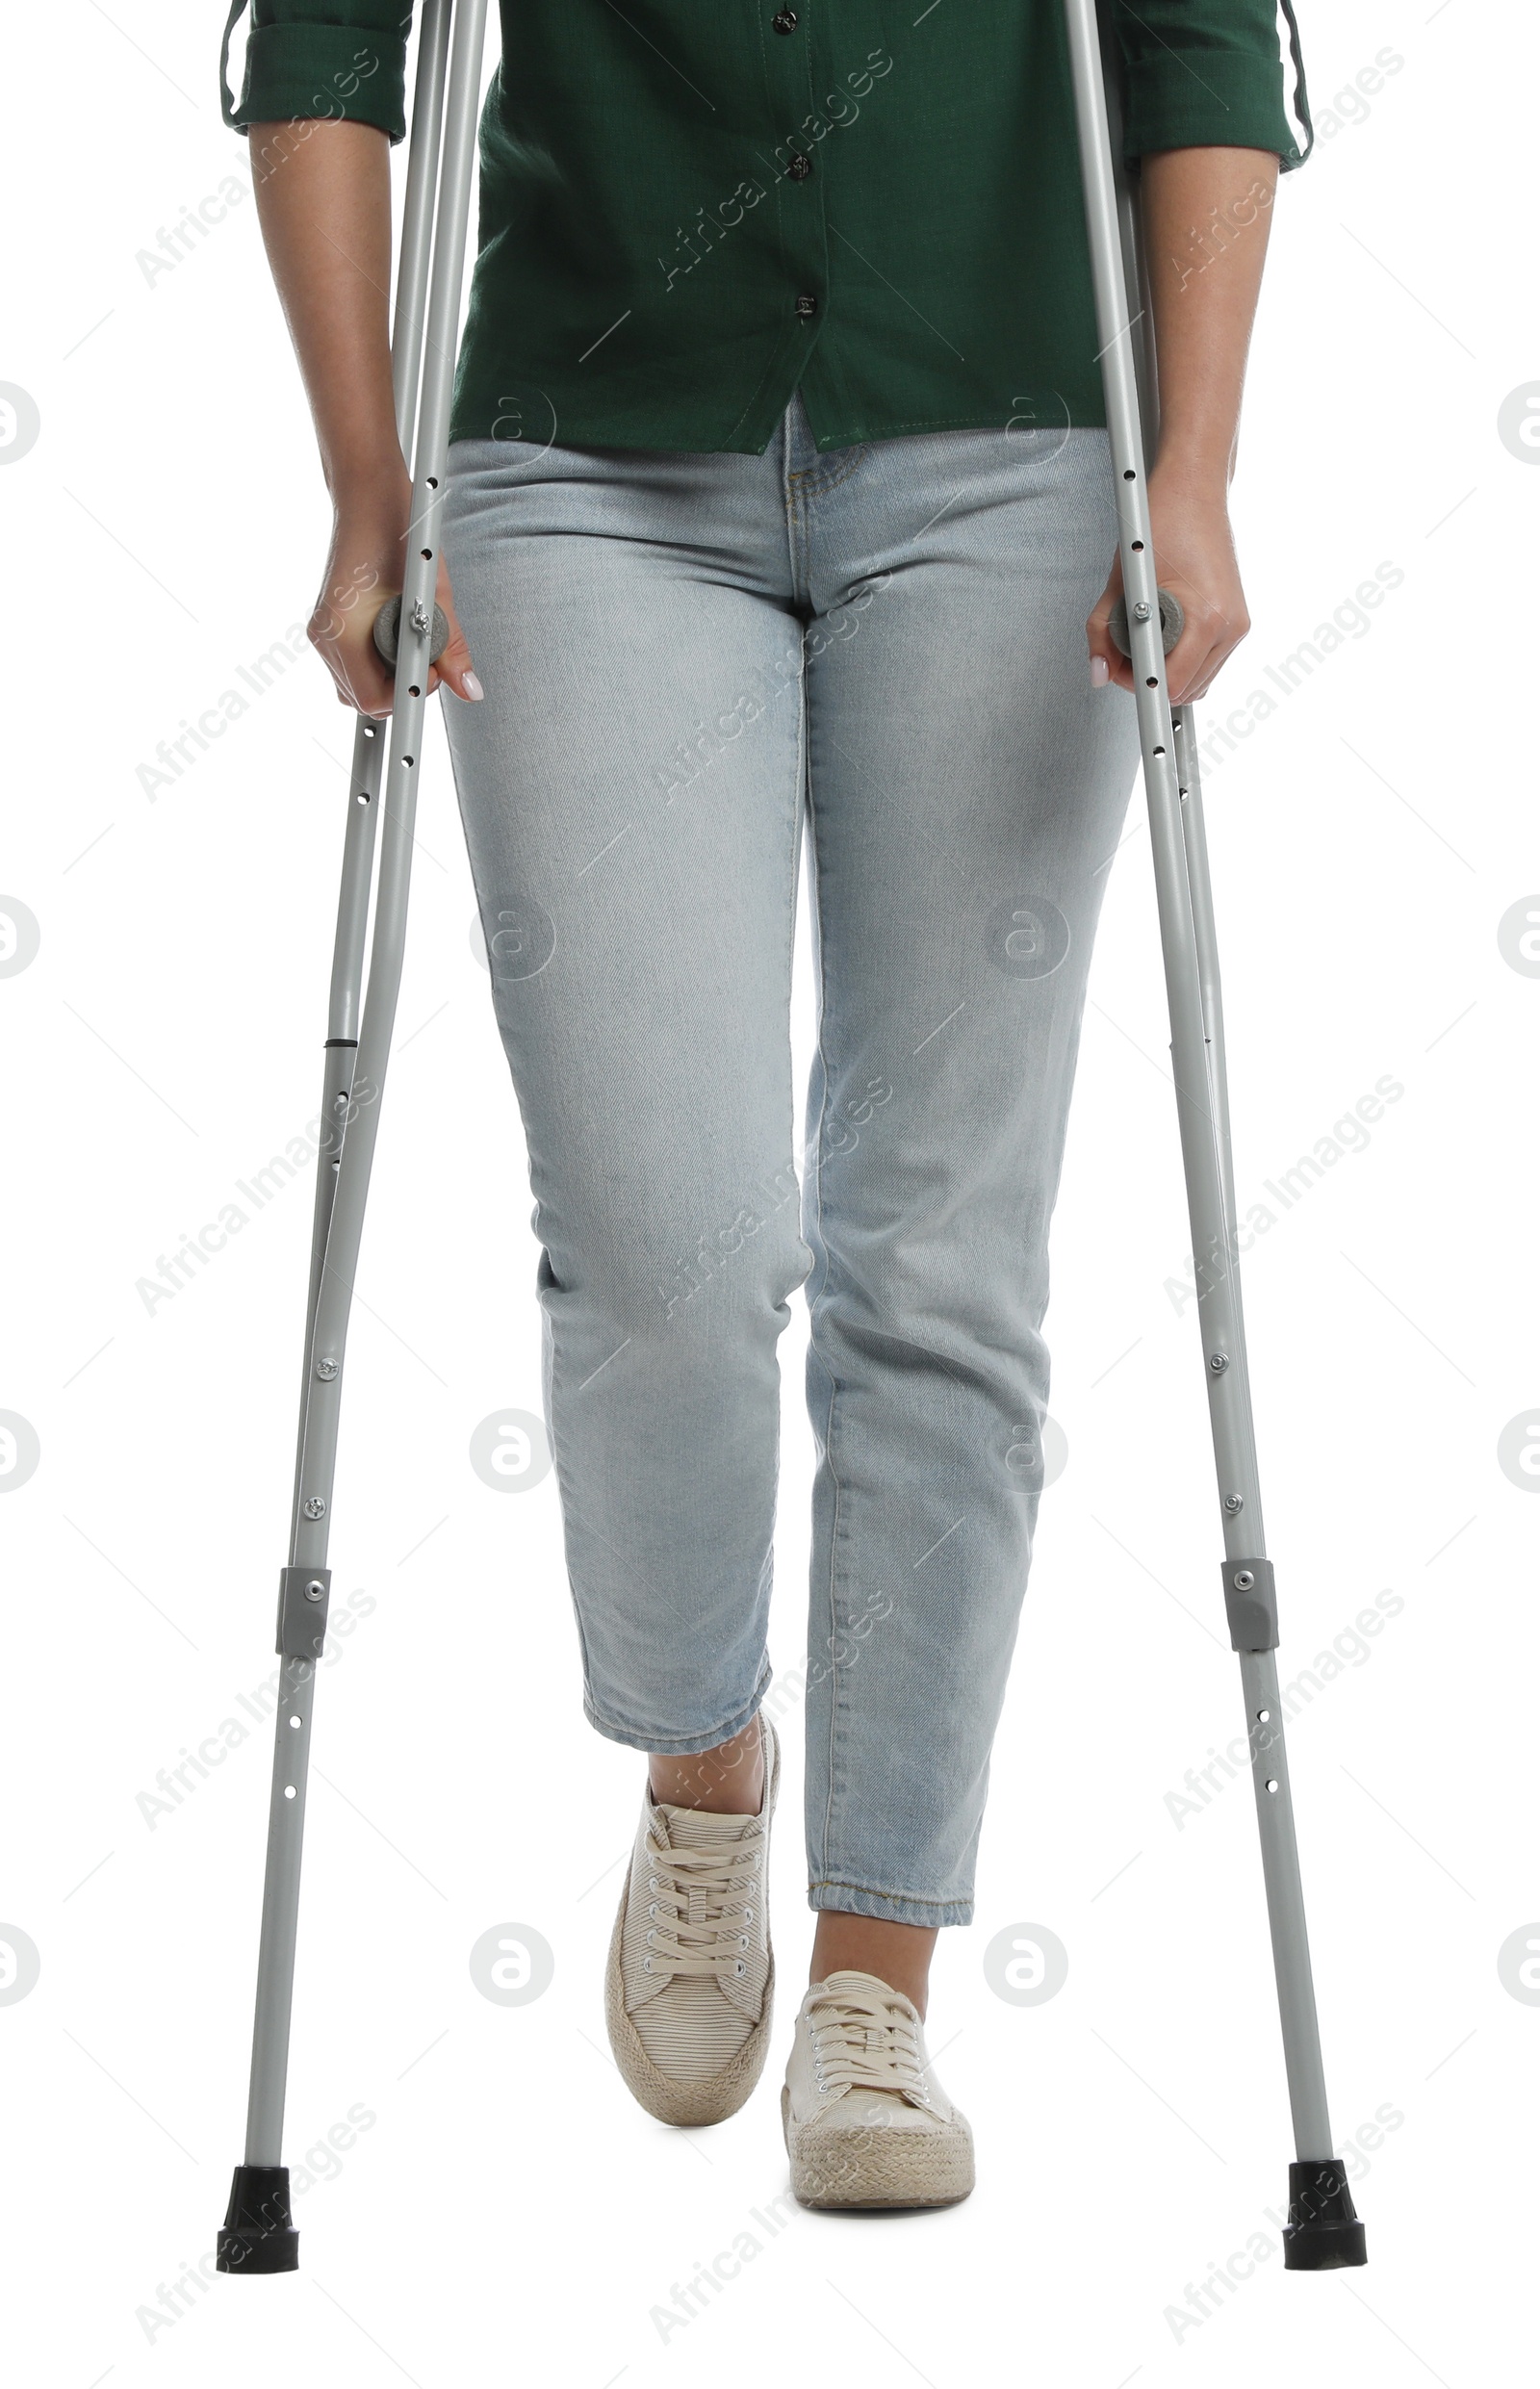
472	686
1099	674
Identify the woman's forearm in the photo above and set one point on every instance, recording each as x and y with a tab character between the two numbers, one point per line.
324	196
1206	215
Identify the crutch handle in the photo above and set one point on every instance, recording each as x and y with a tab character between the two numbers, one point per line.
1173	623
388	631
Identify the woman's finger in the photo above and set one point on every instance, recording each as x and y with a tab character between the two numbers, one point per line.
346	646
455	667
1109	669
457	672
1194	658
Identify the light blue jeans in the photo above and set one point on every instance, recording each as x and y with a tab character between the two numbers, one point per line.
685	655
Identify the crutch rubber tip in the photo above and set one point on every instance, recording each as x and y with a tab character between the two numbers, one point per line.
1322	2231
259	2235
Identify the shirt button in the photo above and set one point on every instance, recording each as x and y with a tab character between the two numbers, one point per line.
807	305
785	21
799	167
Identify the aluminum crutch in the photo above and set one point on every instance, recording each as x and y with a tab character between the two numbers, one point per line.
1323	2230
258	2234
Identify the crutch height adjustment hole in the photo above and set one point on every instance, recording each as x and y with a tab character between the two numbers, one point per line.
1129	475
1137	546
296	1721
1273	1783
1262	1715
289	1791
427	556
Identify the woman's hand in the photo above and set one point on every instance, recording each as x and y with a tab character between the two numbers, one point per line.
366	567
1195	558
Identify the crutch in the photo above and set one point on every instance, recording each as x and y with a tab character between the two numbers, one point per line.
1323	2230
258	2234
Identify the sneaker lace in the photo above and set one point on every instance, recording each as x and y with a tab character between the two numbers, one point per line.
863	2043
701	1907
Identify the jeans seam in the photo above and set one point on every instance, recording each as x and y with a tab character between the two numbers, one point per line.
871	1891
796	559
812	1320
819	479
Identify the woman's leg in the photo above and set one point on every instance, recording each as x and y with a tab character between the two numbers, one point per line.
630	788
634	860
967	790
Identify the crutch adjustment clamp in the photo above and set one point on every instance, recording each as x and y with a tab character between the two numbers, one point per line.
1172	621
1323	2230
304	1596
387	627
1252	1605
259	2235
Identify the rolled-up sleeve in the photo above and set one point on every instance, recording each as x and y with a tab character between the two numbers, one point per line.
344	58
1204	73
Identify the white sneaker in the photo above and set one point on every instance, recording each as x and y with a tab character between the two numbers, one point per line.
691	1977
867	2124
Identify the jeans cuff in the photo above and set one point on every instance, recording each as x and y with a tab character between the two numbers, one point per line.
665	1745
852	1899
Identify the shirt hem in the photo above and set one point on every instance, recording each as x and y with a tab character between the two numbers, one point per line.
472	418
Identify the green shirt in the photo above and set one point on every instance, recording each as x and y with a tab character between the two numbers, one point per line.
692	207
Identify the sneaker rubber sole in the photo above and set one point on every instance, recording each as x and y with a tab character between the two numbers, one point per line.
857	2167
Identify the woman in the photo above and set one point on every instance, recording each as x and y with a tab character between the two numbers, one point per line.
778	490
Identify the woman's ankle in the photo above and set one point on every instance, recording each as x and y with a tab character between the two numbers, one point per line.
899	1955
727	1781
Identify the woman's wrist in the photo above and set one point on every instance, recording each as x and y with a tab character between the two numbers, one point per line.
373	481
1200	477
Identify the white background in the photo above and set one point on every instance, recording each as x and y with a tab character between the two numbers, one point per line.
509	2213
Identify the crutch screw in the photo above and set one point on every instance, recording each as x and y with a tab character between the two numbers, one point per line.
326	1368
314	1508
1141	611
1233	1502
1218	1362
315	1592
1243	1580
